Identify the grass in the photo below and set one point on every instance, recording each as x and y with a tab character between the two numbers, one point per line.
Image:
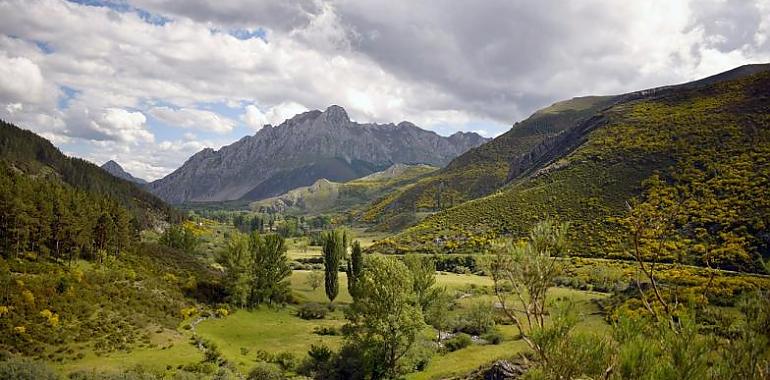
455	281
173	349
296	250
271	330
305	293
275	330
280	330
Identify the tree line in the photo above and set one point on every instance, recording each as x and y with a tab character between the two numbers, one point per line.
35	156
54	220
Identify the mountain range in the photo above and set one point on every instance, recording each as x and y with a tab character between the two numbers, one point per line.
115	169
300	151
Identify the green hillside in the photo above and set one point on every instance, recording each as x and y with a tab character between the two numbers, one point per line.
31	154
702	149
326	196
484	169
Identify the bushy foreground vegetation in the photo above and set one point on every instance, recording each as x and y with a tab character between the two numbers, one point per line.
58	313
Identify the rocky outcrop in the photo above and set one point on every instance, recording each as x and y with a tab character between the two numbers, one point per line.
553	147
499	370
116	170
303	149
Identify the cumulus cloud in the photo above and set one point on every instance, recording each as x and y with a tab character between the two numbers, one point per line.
256	119
22	80
194	119
109	124
100	76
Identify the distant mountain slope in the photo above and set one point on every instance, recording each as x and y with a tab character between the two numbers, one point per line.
484	169
303	149
326	196
115	169
36	156
702	146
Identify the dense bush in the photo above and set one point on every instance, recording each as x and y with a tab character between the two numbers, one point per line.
286	360
457	342
312	310
26	370
265	371
83	309
493	336
326	330
477	319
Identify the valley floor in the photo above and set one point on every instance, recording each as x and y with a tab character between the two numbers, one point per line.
246	334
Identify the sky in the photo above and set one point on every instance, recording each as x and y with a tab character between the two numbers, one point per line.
150	82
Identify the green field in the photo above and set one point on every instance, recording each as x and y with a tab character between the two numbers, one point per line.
240	335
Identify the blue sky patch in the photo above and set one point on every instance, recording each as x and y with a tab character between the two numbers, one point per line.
45	47
69	93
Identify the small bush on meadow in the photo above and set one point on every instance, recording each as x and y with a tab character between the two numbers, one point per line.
493	336
264	356
312	310
477	319
457	342
287	361
265	371
326	330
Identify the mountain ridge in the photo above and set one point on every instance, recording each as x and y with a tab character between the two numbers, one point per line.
702	145
302	149
483	170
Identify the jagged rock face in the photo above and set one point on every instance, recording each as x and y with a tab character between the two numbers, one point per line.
303	149
116	170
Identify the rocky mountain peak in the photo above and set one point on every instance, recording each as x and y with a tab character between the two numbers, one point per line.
335	115
112	165
116	170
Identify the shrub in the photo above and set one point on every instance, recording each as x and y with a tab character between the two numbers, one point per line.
264	356
222	312
24	369
312	310
318	363
478	319
418	357
212	353
325	330
286	360
457	342
494	336
264	371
